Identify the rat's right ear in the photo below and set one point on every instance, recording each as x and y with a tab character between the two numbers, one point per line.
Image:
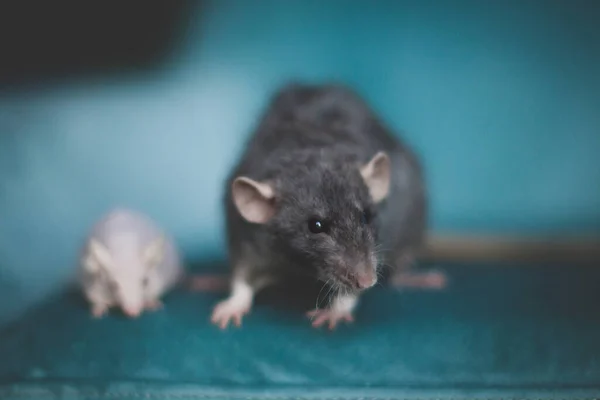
99	254
254	200
377	175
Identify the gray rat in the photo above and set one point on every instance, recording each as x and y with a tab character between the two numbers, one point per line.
128	262
322	189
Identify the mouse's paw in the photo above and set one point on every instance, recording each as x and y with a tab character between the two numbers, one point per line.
99	310
331	315
228	310
153	305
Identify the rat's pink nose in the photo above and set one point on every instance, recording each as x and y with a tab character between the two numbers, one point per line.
366	280
132	312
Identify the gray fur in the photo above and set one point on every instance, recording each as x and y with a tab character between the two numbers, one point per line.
310	145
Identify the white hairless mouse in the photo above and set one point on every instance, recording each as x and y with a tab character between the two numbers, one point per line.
128	262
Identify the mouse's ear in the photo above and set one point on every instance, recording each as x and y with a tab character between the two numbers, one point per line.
99	256
377	174
154	252
254	200
91	265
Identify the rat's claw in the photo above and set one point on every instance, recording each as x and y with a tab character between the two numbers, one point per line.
99	310
320	316
229	310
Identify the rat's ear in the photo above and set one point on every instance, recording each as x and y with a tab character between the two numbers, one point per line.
254	200
99	256
377	174
154	252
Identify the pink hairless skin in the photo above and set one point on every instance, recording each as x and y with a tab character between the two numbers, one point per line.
128	262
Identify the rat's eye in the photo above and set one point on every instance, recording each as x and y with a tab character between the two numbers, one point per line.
316	225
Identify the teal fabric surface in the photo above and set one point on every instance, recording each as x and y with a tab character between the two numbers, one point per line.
496	331
499	98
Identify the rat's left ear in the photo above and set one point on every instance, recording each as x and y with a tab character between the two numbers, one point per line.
254	200
377	174
154	252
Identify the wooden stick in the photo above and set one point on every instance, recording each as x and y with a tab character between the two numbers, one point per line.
565	250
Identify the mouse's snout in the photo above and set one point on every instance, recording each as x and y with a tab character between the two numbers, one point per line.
132	306
132	312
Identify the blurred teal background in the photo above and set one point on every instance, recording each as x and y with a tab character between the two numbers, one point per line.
500	99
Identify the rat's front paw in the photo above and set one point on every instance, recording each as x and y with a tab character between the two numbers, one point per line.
99	310
227	310
320	316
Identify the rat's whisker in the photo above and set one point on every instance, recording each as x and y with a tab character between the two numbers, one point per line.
331	288
391	267
379	248
379	277
319	295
